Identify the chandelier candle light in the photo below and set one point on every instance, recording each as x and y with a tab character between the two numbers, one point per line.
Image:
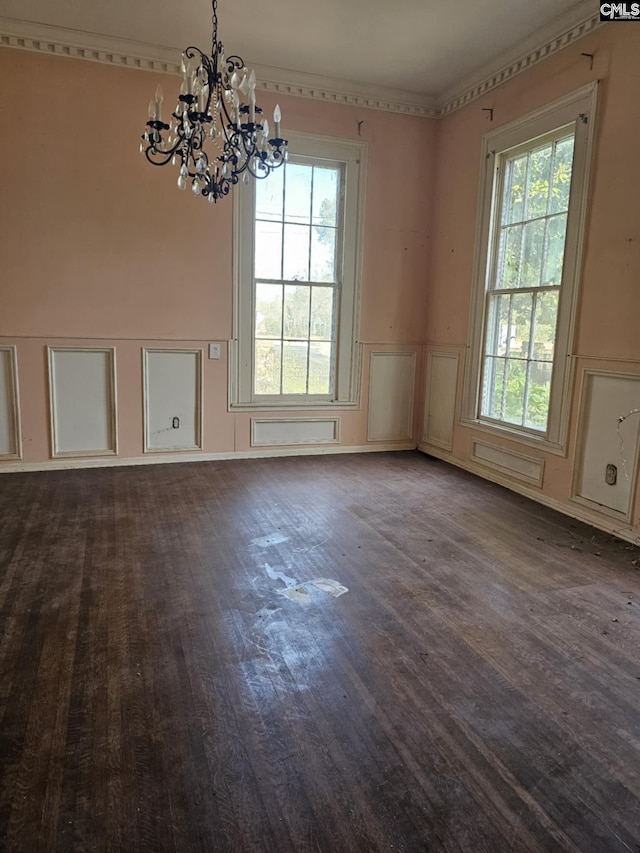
216	108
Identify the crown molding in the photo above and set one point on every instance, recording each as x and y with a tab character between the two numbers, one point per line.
131	54
76	44
329	89
563	31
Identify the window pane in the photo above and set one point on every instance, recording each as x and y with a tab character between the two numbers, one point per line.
320	368
296	312
322	307
538	395
554	258
516	376
493	387
514	185
509	256
532	249
267	367
268	259
297	203
545	326
294	367
296	253
323	254
268	310
498	325
520	332
325	196
538	183
269	196
561	176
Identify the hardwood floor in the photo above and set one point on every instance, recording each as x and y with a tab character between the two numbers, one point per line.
476	689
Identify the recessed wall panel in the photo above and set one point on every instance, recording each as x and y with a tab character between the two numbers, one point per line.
603	441
440	399
173	399
82	401
270	432
519	466
9	414
391	384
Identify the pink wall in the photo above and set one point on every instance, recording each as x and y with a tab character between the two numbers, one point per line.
100	248
97	245
609	303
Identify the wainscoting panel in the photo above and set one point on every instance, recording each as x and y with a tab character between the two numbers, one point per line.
603	441
519	466
172	399
391	382
271	432
440	399
9	406
82	401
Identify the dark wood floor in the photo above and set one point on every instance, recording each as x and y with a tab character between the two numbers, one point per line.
477	689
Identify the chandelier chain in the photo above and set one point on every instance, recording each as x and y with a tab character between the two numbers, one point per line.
214	27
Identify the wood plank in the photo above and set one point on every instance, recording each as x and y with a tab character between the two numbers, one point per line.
477	689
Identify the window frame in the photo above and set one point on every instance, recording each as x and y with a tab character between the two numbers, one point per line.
576	110
352	156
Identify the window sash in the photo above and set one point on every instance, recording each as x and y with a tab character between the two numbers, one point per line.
346	363
292	356
493	381
573	111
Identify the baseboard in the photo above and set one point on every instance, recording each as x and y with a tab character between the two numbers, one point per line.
164	459
601	522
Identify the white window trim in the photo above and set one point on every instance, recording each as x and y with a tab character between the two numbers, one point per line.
348	349
579	109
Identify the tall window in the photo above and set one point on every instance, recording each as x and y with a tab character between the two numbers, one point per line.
298	232
526	275
532	216
297	265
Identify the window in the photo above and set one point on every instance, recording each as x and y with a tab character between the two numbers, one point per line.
298	236
532	215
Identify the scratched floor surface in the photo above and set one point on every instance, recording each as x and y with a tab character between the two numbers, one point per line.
475	688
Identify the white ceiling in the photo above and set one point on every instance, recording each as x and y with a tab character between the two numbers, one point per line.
421	46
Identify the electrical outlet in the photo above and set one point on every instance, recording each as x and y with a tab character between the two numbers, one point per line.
175	423
214	351
611	475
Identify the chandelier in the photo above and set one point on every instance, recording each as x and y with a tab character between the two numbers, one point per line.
216	133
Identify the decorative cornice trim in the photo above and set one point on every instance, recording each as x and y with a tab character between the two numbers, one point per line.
75	44
131	54
565	30
300	84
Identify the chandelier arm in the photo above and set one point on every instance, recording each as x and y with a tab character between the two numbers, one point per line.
234	63
150	151
192	51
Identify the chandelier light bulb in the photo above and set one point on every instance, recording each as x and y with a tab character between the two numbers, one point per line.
277	115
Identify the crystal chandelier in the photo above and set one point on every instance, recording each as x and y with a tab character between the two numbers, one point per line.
216	132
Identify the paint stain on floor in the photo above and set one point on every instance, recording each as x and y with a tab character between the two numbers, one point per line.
300	592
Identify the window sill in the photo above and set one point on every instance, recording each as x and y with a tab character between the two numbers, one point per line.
516	435
311	406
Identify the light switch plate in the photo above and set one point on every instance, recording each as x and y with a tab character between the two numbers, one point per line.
214	350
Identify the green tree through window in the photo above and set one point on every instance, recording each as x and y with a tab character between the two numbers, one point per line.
526	276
